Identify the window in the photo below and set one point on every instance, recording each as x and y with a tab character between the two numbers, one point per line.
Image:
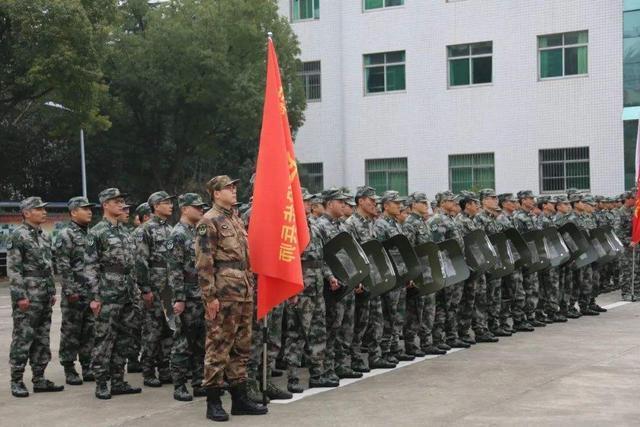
471	172
309	72
470	64
631	58
384	72
564	168
563	54
311	177
379	4
303	10
630	138
387	174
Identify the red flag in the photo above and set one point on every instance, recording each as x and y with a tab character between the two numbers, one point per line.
278	231
635	229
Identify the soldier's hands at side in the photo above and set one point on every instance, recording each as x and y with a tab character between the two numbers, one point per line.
633	244
333	284
411	284
148	299
23	304
213	307
53	300
95	307
359	289
293	300
178	308
73	298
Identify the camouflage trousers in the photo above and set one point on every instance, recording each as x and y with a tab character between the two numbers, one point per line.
76	332
565	278
274	342
187	353
480	312
340	323
390	341
413	320
582	286
228	344
361	322
494	303
135	325
467	305
446	321
428	319
156	340
112	340
531	287
626	272
373	334
306	328
513	298
549	290
607	274
30	339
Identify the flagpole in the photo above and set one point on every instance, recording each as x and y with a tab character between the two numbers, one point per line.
633	275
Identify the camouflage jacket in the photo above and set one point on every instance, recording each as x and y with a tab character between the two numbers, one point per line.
505	220
525	221
314	252
545	221
152	255
29	265
70	247
466	223
328	227
361	228
183	277
416	229
110	263
488	222
625	224
561	219
385	227
588	221
444	227
605	218
222	257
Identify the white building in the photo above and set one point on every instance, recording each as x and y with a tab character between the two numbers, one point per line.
511	94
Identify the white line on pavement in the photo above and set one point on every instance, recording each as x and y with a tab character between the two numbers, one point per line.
616	304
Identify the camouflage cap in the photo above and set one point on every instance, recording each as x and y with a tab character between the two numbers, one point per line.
316	199
217	183
333	194
506	197
561	198
32	203
392	196
546	199
143	209
589	199
575	197
306	196
417	197
469	196
159	196
79	202
610	199
365	191
351	202
571	191
446	196
599	199
190	199
487	192
523	194
110	193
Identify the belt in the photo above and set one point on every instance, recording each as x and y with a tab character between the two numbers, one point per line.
236	265
37	273
312	263
158	264
116	269
190	277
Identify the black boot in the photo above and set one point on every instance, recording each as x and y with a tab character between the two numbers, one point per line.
102	391
150	380
181	393
199	391
215	411
275	393
123	387
294	386
18	389
322	381
42	385
71	376
133	366
242	405
87	374
433	350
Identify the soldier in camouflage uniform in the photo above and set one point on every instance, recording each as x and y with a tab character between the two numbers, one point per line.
550	278
227	286
306	317
513	294
475	288
385	227
604	218
524	221
563	216
109	265
187	353
33	295
317	207
418	233
152	257
443	227
627	212
592	272
76	330
486	318
340	314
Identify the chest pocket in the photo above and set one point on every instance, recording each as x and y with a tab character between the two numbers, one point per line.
227	239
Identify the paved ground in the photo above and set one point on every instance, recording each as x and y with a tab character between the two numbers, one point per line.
585	372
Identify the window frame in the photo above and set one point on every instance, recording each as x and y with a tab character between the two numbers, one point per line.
313	175
377	9
470	57
384	65
473	167
564	162
313	18
304	76
563	49
387	171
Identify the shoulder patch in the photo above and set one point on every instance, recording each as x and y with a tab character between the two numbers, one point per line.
9	244
169	244
224	226
58	242
139	237
90	240
202	229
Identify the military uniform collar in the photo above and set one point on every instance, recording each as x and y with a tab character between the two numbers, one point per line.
78	226
330	218
159	220
189	226
362	218
31	228
226	212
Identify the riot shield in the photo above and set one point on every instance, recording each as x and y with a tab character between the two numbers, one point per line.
606	251
479	253
348	263
454	267
404	259
432	278
505	262
574	239
556	247
593	252
517	243
614	240
539	256
382	276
